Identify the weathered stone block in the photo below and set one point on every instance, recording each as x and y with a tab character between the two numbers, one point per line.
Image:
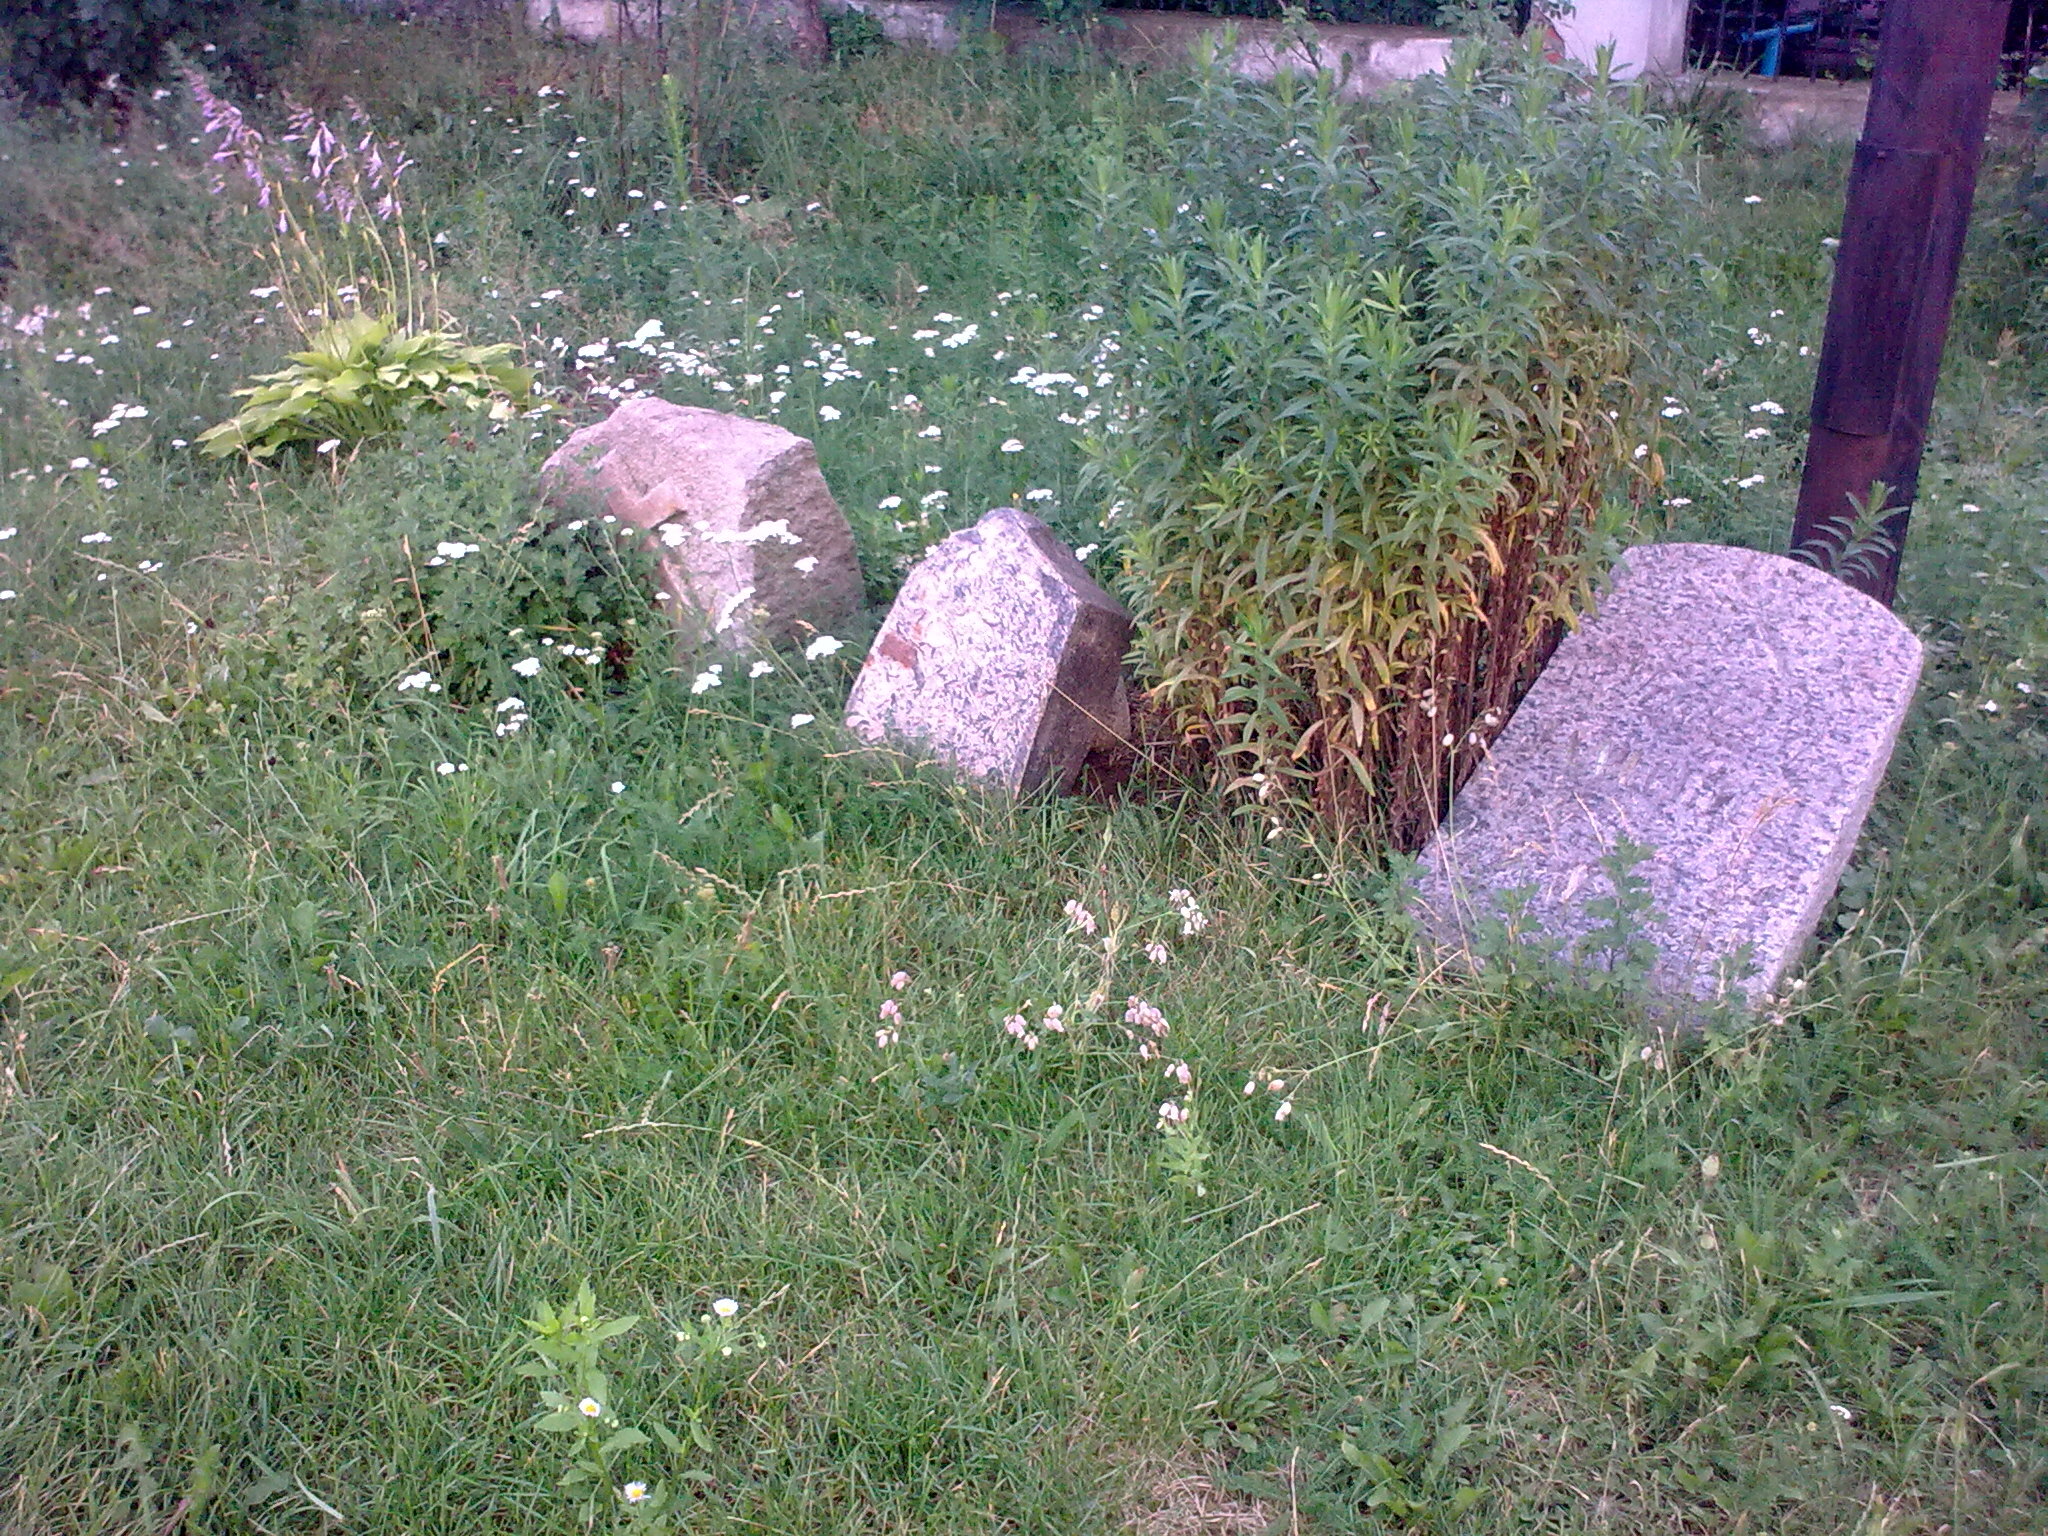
1731	711
1002	658
751	545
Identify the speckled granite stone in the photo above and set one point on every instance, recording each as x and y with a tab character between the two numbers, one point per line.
1001	658
1731	711
750	544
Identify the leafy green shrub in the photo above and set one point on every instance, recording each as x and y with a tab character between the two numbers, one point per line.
1070	15
437	573
1382	374
55	51
360	378
853	35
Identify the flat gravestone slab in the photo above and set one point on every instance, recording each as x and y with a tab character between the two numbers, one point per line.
1001	657
1732	712
750	544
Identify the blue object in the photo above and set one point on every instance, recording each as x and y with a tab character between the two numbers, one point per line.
1773	39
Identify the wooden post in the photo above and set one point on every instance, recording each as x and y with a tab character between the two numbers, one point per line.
1914	178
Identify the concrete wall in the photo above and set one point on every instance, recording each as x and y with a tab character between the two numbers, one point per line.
589	20
1370	57
1366	58
1648	36
1376	56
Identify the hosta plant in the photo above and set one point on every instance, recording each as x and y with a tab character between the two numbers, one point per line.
1383	373
361	378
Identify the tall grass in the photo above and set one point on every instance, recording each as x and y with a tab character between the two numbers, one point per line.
322	1067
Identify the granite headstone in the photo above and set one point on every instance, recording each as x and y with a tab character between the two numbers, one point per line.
750	544
1001	658
1729	711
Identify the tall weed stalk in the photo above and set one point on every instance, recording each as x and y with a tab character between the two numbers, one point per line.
713	74
1383	376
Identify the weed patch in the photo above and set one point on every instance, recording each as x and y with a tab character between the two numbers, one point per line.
347	1021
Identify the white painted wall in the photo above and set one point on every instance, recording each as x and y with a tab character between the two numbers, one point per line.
589	20
1648	35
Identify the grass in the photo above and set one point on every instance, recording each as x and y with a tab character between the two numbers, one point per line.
323	1068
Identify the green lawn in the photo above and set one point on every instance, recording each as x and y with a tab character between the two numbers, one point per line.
342	1028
